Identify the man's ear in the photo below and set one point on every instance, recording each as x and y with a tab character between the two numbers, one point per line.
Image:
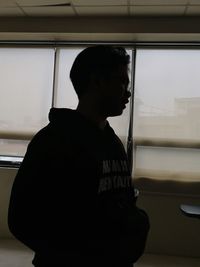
96	81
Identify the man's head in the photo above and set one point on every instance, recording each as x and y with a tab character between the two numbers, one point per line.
102	69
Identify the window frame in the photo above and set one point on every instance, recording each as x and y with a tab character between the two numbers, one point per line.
131	144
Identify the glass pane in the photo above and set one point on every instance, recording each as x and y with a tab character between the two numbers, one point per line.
65	96
121	123
26	76
167	163
167	95
167	107
11	147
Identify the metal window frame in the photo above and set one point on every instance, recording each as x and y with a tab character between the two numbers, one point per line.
13	161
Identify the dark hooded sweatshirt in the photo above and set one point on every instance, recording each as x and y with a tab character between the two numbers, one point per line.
73	199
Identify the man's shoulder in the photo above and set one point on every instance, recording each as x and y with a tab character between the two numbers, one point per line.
51	139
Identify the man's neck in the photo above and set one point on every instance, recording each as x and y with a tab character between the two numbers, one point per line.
90	112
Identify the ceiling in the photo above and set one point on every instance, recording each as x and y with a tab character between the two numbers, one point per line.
103	20
72	8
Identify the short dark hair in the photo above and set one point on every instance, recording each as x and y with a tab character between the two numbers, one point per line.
99	60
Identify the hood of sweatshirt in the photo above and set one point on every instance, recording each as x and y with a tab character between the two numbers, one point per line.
67	118
62	115
71	123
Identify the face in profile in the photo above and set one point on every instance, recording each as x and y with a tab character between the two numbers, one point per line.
115	94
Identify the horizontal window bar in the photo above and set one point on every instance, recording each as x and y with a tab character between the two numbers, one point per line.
10	161
166	143
16	136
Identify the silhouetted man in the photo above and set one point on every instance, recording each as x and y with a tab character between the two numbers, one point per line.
73	200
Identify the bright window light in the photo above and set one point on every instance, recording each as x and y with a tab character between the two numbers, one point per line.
26	76
166	114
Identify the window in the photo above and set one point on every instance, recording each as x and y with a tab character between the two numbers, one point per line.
166	124
121	123
166	115
65	95
26	76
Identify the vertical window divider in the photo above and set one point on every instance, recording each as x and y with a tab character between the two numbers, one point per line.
130	142
54	77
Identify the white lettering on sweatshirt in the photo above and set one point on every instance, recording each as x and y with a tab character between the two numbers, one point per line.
115	175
